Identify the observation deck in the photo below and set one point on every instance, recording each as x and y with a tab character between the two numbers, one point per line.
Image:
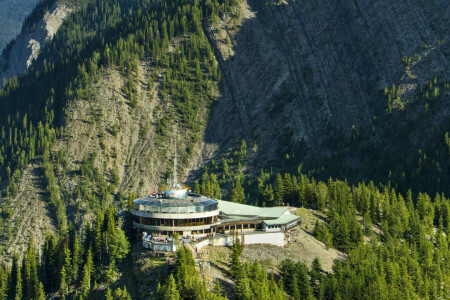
176	211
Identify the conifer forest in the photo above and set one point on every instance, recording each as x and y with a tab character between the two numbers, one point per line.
338	111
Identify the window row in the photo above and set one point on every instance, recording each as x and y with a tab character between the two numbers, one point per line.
175	209
176	222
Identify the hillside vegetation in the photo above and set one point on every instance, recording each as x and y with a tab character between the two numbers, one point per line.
265	100
309	81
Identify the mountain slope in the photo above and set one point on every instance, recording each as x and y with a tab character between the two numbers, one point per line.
306	78
104	103
110	120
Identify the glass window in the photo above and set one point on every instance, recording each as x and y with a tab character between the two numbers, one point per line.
165	210
174	210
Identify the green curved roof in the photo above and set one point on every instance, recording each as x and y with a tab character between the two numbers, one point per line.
283	220
237	209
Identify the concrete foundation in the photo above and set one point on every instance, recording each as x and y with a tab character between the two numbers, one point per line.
249	238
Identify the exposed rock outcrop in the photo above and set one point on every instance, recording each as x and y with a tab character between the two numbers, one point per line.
299	70
31	41
12	14
293	72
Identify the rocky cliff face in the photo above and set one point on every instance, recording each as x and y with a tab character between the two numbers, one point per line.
302	70
12	15
31	41
294	74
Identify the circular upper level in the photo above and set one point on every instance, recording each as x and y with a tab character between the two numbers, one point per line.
193	206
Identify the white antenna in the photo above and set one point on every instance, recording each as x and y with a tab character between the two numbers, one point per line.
175	161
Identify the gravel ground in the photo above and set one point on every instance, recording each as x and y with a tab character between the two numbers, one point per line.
301	247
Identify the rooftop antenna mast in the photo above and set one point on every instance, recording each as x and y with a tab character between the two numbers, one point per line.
175	161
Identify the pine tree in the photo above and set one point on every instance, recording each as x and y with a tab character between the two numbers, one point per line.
18	287
168	291
120	245
268	196
276	290
303	282
243	291
40	293
236	266
120	294
89	262
63	289
76	252
217	289
86	282
111	246
98	241
316	276
67	264
4	280
237	193
31	282
108	295
341	235
16	279
294	291
279	190
367	222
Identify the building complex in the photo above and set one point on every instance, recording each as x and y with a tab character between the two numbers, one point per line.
216	222
196	216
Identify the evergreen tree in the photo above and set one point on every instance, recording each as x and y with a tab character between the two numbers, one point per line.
341	235
243	291
76	259
294	290
31	281
40	293
279	190
120	294
303	282
237	194
367	223
268	196
119	245
4	280
16	280
316	275
18	286
86	281
108	295
236	266
168	291
217	289
63	289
